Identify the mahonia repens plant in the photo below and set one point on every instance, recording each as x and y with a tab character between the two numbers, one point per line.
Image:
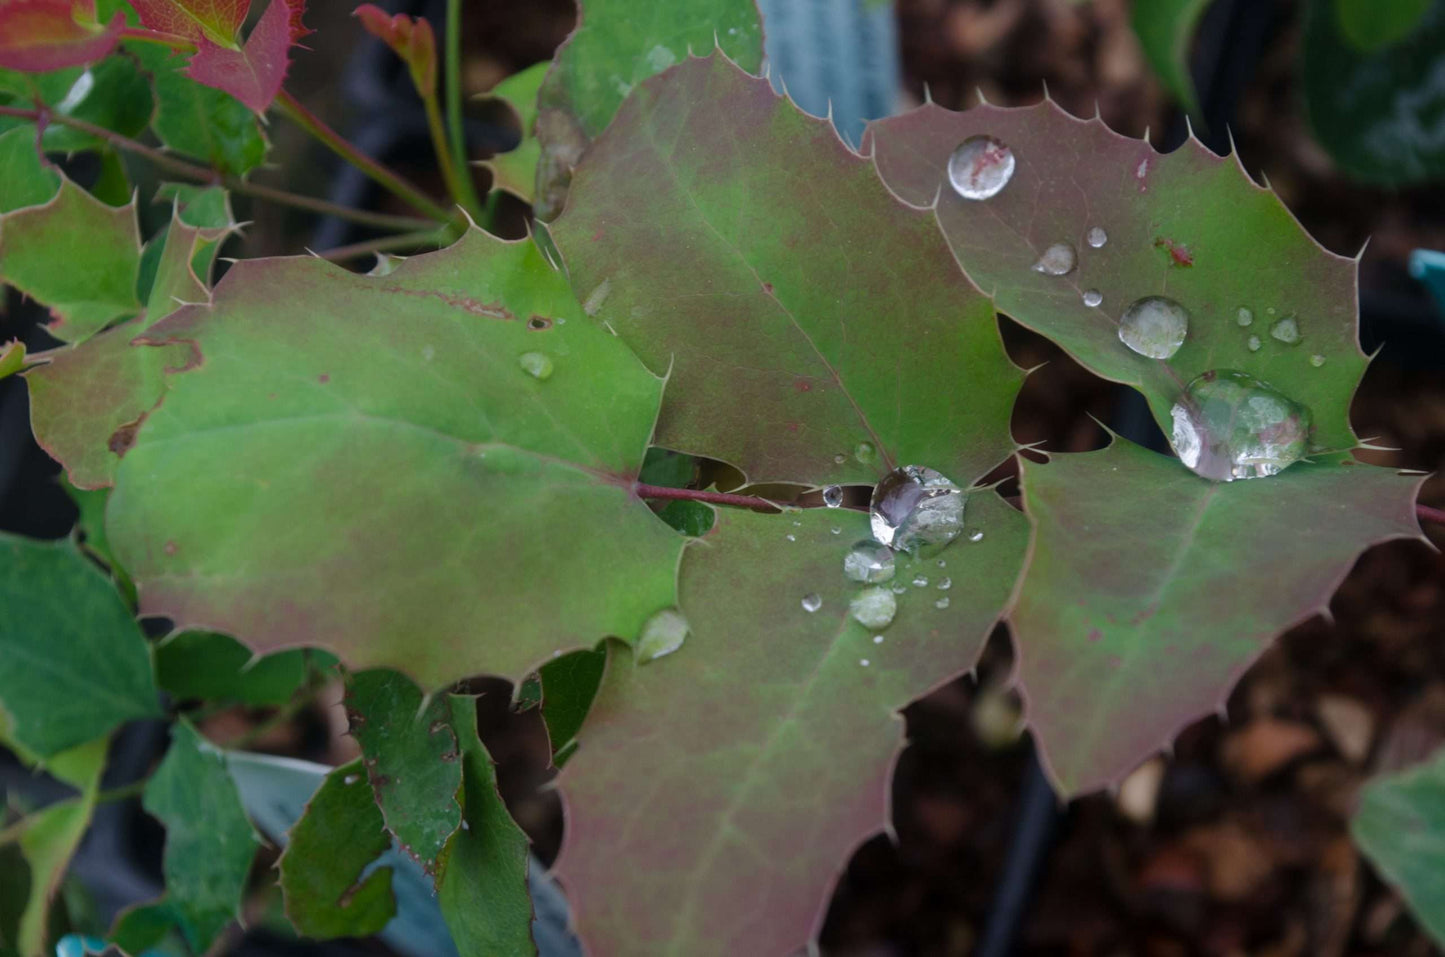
456	464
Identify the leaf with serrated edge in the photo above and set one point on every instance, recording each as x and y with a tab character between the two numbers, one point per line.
394	472
515	171
410	754
734	776
802	311
211	667
1243	249
1399	825
26	177
254	72
1150	590
198	120
39	35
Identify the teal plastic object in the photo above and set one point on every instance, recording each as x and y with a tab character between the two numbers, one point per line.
1428	266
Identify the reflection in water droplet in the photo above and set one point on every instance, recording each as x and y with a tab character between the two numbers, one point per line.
873	607
1154	326
538	365
869	561
836	530
941	603
920	581
1317	360
1097	237
915	505
791	537
975	536
898	588
877	639
944	584
1229	425
865	452
839	459
832	496
1092	298
942	563
663	634
1058	260
812	602
980	168
1286	330
1244	316
1253	344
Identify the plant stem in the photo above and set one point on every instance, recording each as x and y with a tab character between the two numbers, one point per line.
452	72
312	124
423	237
1428	514
457	184
124	792
210	176
693	495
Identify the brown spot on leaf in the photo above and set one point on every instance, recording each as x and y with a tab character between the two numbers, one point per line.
538	323
323	378
768	288
802	385
1179	254
170	548
1095	634
124	437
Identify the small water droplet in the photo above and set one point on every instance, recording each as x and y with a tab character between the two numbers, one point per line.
839	459
1058	260
836	530
1269	311
874	608
1244	316
428	352
915	505
1093	298
812	602
975	536
865	452
791	537
877	639
863	662
980	168
351	779
1317	360
944	584
1253	344
920	581
538	365
942	563
941	603
663	634
868	561
1154	326
1229	425
1286	331
832	496
1096	237
898	588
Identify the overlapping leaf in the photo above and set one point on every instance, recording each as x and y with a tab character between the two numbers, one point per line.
1150	590
1165	29
1187	225
200	121
38	35
1400	825
26	179
113	94
358	461
516	170
815	329
217	668
735	775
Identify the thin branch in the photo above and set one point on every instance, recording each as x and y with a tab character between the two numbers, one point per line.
424	237
693	495
124	792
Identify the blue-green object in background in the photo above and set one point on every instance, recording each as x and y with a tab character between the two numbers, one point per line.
1428	266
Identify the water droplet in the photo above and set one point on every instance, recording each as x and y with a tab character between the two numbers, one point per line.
914	505
873	607
1253	344
836	530
941	603
812	602
863	662
351	779
898	588
832	496
1244	316
428	352
868	561
1229	425
797	524
663	634
944	584
1269	311
1154	326
839	459
975	536
980	168
791	537
1317	360
1286	331
1093	298
920	581
538	365
1058	260
1096	237
877	639
942	563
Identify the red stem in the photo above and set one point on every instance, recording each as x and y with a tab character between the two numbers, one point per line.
693	495
1429	514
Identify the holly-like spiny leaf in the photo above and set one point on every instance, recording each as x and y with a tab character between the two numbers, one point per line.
1188	225
735	775
42	35
516	170
64	620
200	121
1400	825
217	668
1150	590
814	329
1165	29
26	178
396	470
564	689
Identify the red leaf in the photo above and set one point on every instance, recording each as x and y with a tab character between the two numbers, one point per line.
39	35
412	40
254	73
218	21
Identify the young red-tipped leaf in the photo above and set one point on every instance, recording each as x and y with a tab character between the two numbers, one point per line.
254	73
411	39
41	35
218	21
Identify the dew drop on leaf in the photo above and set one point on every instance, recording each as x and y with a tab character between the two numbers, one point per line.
1154	326
1229	425
944	584
812	602
663	634
915	505
538	365
836	530
1253	344
869	561
1286	331
865	452
874	607
1244	316
920	581
975	536
942	603
899	588
839	459
1058	260
832	496
1317	360
1096	237
877	639
1093	298
980	168
863	662
791	537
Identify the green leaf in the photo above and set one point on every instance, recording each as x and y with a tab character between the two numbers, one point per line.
676	470
617	45
1188	225
1150	590
209	841
717	792
1399	825
76	255
516	170
329	850
112	94
1376	113
216	668
362	486
203	207
12	358
26	179
739	247
197	120
564	689
65	623
1165	29
1372	24
410	754
482	886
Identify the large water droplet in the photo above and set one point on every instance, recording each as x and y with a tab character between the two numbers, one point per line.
663	634
832	496
1154	326
1058	260
1286	331
1230	425
1096	237
1244	316
869	561
812	602
538	365
874	608
1093	298
980	168
913	506
865	452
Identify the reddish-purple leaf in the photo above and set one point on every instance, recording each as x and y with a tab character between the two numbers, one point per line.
217	20
411	39
41	35
251	72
